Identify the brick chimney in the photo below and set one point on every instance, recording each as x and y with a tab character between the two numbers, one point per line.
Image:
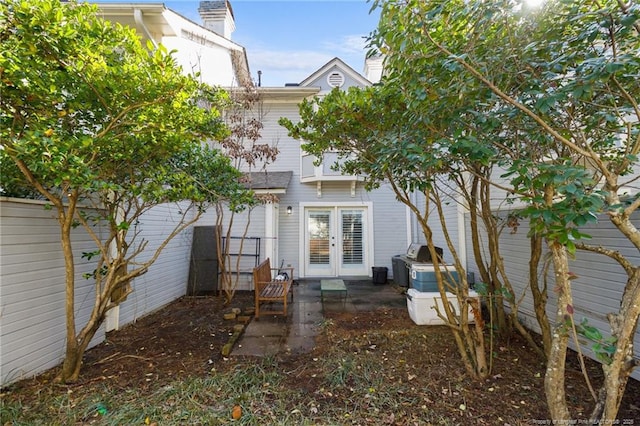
217	16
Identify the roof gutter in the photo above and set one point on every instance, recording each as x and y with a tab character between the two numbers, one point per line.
137	16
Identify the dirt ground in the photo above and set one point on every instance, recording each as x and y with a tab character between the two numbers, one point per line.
186	338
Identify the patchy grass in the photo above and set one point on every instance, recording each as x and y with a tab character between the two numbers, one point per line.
368	368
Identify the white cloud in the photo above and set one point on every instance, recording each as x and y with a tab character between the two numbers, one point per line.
285	59
281	66
292	66
348	44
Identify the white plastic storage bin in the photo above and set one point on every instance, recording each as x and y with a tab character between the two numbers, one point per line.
423	277
421	306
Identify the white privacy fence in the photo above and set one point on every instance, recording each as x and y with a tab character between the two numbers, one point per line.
32	284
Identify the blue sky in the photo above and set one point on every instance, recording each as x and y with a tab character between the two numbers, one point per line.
289	40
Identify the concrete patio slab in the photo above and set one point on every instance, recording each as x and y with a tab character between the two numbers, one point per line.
265	328
296	333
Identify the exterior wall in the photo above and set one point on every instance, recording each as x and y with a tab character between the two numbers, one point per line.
387	230
195	57
390	227
256	228
32	289
32	284
319	78
324	85
597	290
167	278
198	50
450	207
388	241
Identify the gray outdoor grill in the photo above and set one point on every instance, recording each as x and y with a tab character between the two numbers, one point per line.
401	263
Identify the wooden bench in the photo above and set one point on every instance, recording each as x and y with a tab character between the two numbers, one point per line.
269	287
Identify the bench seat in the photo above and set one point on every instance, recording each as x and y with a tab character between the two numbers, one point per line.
269	287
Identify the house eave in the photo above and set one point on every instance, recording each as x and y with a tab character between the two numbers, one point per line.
287	94
326	178
165	22
270	191
339	63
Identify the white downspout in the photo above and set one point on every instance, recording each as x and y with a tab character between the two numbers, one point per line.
462	236
137	16
270	233
413	231
462	231
410	227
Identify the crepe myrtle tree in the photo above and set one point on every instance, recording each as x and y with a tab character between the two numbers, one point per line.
104	130
244	116
567	73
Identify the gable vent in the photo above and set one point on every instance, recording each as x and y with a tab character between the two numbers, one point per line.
335	79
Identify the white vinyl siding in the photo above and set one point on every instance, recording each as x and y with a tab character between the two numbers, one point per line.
32	284
32	289
167	278
596	291
385	240
450	208
256	229
388	232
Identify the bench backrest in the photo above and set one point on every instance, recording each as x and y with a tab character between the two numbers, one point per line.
262	272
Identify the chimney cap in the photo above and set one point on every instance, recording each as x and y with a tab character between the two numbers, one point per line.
217	16
210	6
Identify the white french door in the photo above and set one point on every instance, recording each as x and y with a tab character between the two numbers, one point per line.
336	241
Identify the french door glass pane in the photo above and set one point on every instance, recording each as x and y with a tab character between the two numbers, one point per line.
319	233
352	244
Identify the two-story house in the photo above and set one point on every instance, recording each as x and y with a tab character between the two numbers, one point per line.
323	224
204	48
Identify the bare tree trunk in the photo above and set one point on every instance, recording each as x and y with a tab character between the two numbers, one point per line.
496	274
234	285
470	343
471	338
539	295
493	235
71	361
554	382
475	232
73	357
224	258
482	369
624	323
108	283
616	373
105	288
488	274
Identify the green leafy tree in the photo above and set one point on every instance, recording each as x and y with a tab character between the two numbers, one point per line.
105	130
370	131
563	81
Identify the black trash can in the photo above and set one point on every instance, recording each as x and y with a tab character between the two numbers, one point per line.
380	274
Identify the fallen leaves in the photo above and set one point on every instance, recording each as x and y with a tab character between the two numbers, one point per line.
236	412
